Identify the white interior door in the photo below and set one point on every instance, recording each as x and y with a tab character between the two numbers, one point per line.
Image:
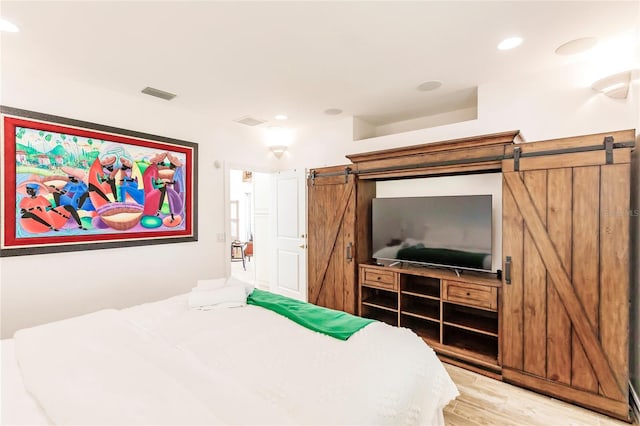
290	255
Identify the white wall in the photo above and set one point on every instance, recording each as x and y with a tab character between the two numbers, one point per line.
434	120
320	146
42	288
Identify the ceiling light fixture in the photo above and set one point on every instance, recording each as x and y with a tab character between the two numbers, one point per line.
280	117
615	86
333	111
429	85
510	43
8	27
576	46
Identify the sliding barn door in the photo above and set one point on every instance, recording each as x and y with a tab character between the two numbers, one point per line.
566	283
331	228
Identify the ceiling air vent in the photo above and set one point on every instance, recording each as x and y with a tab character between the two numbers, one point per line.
158	93
249	121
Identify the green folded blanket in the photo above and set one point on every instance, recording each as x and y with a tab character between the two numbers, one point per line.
340	325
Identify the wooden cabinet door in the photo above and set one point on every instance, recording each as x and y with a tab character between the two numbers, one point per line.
565	292
331	238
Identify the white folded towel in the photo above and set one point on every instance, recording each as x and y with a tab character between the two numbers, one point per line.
228	296
211	284
248	287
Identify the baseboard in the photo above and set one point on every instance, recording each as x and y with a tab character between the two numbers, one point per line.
635	403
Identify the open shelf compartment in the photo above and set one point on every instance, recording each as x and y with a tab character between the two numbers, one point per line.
470	342
428	330
420	286
383	315
380	298
471	319
420	307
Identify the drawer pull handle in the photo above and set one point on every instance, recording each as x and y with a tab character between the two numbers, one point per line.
379	278
507	270
468	294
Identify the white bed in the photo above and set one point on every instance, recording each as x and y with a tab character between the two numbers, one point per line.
163	363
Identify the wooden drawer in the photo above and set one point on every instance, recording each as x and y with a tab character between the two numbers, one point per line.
471	294
379	278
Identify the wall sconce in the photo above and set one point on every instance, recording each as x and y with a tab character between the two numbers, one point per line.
615	86
278	140
278	150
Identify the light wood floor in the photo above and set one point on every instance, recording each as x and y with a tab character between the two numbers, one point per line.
488	402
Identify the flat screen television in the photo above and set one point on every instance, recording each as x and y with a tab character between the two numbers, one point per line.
451	231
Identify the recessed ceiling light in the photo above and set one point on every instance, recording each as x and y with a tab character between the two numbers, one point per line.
429	85
578	45
280	117
333	111
8	27
510	43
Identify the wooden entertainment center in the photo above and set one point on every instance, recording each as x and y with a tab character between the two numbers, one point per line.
455	315
558	319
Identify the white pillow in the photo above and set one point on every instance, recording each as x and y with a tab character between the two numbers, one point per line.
210	284
387	252
228	296
233	281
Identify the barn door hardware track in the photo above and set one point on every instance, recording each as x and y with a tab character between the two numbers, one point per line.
608	145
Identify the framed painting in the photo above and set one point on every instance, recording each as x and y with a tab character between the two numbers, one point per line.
71	185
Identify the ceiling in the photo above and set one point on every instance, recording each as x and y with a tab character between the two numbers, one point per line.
228	60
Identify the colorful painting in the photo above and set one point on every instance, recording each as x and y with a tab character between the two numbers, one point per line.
70	185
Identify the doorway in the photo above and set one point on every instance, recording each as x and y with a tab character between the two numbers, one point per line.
241	224
266	228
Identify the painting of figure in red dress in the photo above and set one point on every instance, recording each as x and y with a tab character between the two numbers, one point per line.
74	184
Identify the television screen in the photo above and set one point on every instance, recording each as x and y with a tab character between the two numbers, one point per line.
451	231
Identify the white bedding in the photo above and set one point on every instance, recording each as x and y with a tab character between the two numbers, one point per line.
163	363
